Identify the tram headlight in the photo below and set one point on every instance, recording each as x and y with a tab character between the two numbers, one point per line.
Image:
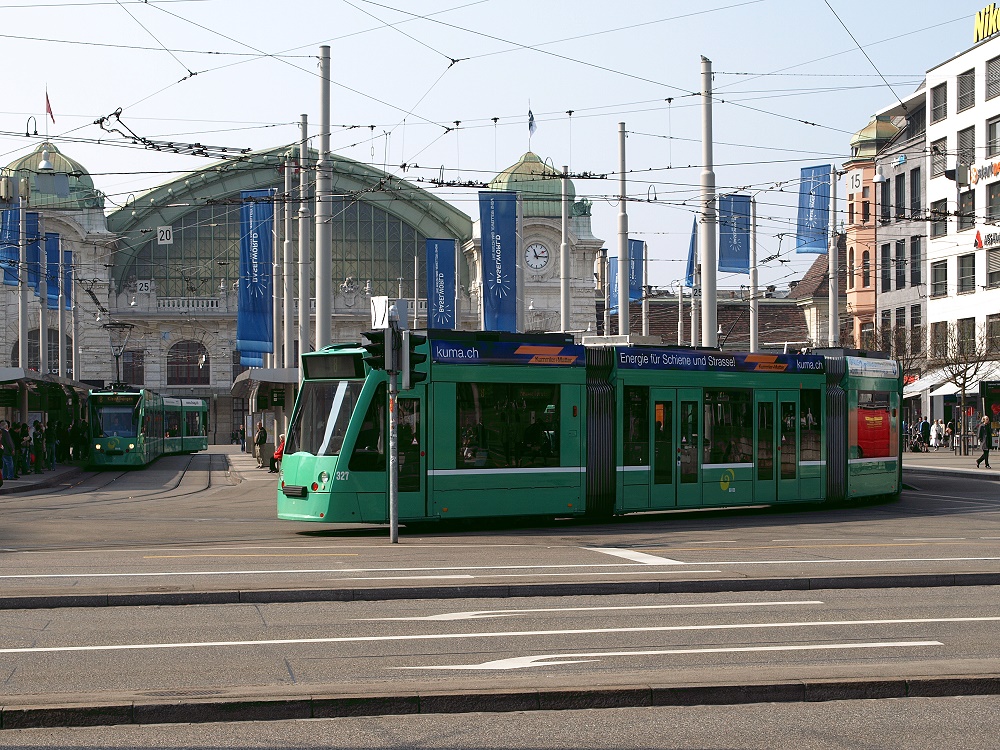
97	446
131	446
324	477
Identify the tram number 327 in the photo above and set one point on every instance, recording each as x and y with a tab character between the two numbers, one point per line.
340	476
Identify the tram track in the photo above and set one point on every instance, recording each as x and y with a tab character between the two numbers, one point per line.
79	489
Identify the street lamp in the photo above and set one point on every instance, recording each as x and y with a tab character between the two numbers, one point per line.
118	335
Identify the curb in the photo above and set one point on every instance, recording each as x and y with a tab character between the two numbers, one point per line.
502	591
950	472
41	484
329	706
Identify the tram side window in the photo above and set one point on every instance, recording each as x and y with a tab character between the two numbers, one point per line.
811	427
636	428
728	427
193	423
369	448
507	425
409	444
173	424
873	427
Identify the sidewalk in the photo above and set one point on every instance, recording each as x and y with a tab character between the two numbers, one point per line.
243	466
60	475
946	461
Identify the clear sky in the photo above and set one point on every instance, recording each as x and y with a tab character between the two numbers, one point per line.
791	80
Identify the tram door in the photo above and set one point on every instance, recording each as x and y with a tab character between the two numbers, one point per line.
665	469
412	458
776	436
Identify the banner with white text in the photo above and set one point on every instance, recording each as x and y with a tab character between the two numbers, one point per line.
254	329
441	283
498	227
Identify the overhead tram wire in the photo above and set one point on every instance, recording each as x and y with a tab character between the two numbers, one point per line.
190	73
863	52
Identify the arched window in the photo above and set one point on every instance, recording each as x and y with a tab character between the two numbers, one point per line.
866	269
850	268
188	363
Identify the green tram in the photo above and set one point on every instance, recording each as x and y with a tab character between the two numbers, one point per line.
134	428
534	425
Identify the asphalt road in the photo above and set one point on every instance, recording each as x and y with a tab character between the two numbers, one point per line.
965	723
382	648
181	527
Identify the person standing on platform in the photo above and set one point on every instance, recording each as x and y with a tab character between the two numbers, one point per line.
259	441
925	433
985	442
243	438
7	451
38	447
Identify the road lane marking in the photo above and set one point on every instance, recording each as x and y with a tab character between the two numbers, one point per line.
546	660
811	546
476	615
298	554
579	574
639	557
646	570
501	634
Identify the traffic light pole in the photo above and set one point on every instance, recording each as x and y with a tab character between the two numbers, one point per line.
394	336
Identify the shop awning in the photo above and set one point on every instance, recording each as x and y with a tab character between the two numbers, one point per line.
924	383
972	389
247	383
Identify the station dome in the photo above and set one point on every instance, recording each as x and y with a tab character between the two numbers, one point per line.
539	184
868	141
68	185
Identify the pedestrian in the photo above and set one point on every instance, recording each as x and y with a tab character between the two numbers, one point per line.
38	447
925	433
7	451
243	438
50	445
985	442
276	458
259	441
937	434
949	432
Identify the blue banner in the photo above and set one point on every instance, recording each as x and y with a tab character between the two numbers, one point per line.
813	224
505	353
67	279
498	229
10	253
692	254
613	284
636	248
34	251
734	233
251	359
441	281
52	270
254	327
632	358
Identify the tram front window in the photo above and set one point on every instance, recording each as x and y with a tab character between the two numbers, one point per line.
117	421
320	422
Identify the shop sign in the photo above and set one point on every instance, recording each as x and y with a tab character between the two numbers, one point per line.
987	22
988	240
984	172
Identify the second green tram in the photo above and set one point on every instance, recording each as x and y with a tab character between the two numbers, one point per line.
134	428
520	425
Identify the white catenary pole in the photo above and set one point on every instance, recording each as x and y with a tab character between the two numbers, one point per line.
564	310
43	299
22	286
61	314
287	277
832	256
754	320
622	238
645	287
696	307
276	288
324	211
680	314
707	237
304	239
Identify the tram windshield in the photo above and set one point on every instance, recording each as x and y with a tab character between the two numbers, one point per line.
117	421
324	411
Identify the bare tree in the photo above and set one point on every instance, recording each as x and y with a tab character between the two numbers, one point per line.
905	346
963	356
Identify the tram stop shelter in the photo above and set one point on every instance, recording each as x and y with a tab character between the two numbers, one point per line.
27	395
270	393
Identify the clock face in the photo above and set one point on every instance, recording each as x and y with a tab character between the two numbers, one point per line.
536	256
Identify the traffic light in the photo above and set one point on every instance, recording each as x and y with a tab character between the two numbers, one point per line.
376	354
414	365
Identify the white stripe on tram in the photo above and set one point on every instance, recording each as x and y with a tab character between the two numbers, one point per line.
513	470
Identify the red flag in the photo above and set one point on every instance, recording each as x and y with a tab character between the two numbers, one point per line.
48	107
